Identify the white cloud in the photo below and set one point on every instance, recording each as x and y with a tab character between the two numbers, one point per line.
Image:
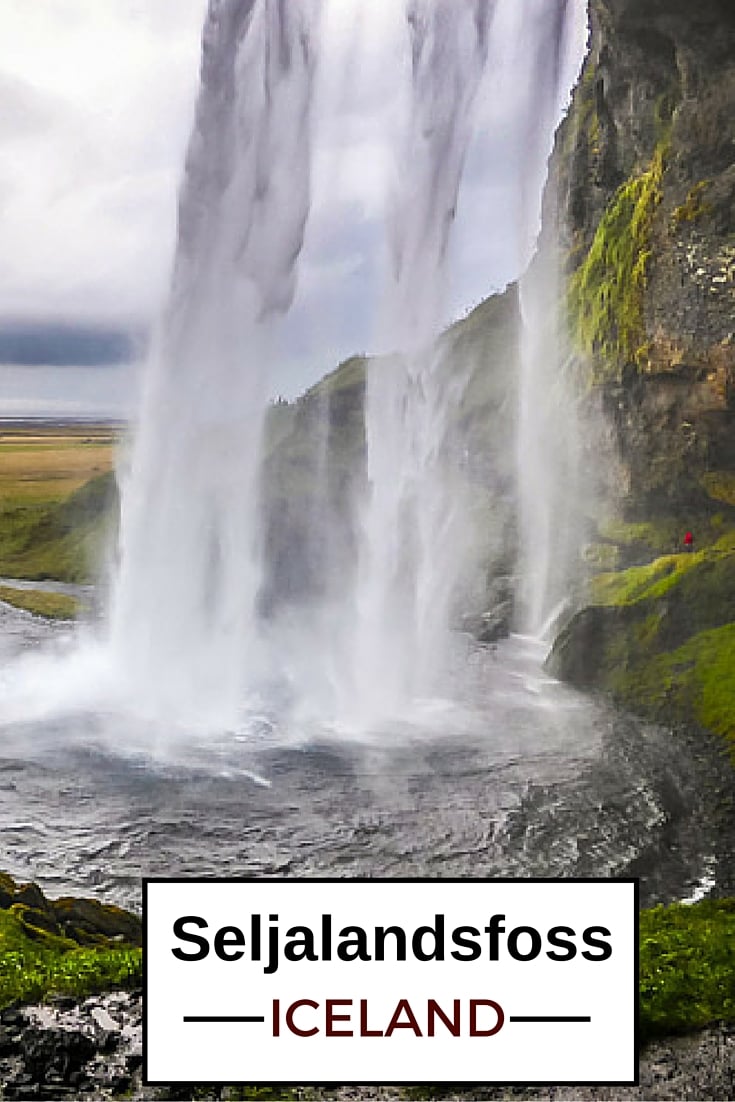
97	98
97	104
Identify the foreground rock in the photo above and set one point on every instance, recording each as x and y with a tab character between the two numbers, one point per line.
661	638
82	921
92	1049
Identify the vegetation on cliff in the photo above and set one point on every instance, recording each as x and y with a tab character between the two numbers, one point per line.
661	638
606	299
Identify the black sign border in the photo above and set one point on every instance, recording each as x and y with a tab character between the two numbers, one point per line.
332	1084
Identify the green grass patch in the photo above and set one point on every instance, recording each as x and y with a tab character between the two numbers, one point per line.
606	292
687	966
63	540
720	485
642	583
52	606
35	965
694	682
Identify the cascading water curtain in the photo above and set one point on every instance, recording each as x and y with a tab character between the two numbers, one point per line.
412	532
550	492
184	624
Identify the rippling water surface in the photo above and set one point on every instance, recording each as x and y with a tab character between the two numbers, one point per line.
523	777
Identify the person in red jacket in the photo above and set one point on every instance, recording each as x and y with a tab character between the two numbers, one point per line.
689	542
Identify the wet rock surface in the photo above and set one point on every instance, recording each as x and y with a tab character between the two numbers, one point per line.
83	921
70	1049
92	1049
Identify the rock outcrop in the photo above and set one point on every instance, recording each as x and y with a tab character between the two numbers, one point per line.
73	920
643	178
644	174
314	474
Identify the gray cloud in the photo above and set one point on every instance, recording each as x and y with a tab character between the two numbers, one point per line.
97	104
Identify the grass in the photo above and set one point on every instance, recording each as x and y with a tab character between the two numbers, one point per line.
42	467
34	968
687	970
57	495
720	485
686	975
687	966
64	540
52	606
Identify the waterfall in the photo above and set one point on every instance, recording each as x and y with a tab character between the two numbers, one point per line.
184	616
549	477
411	551
186	634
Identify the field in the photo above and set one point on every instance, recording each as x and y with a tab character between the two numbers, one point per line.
57	505
41	466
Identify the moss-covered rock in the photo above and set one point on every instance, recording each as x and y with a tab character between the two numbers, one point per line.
75	920
687	966
606	295
661	638
63	946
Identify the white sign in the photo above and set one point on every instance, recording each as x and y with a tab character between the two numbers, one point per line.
390	981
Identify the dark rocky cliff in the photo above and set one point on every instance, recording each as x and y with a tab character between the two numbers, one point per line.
314	473
643	177
644	171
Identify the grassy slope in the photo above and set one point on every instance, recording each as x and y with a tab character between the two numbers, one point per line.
52	606
56	499
34	967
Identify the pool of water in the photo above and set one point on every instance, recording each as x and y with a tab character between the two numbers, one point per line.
508	773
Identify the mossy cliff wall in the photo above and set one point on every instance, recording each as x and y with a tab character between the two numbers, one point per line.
644	174
644	180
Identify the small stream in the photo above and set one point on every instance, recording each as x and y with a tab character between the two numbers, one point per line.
513	774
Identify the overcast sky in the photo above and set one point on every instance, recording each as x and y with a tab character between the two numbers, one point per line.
97	100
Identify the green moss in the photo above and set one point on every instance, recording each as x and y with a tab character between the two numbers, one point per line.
52	606
641	583
694	682
694	208
687	966
582	122
720	485
606	292
35	964
658	536
601	556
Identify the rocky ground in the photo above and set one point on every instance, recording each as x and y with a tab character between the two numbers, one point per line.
92	1049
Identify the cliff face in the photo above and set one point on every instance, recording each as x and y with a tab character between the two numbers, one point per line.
314	478
644	184
644	173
